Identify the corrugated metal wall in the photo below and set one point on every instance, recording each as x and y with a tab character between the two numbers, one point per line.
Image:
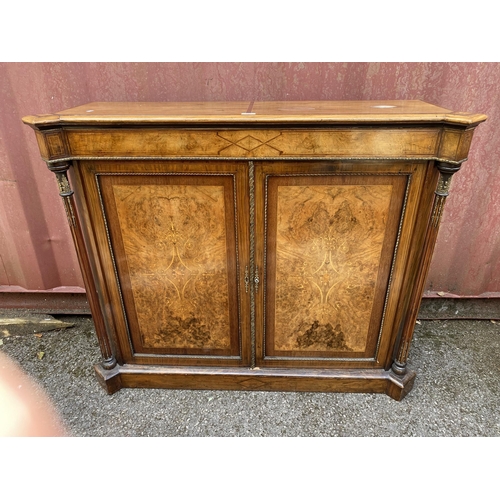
36	252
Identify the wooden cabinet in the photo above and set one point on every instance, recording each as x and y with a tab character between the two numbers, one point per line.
255	246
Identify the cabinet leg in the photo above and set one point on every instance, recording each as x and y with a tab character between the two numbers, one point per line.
109	379
399	386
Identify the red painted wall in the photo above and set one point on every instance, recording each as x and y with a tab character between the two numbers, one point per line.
36	251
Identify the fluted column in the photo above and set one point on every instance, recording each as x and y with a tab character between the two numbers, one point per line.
60	169
446	171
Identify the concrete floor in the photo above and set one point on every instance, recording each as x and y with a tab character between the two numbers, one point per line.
456	392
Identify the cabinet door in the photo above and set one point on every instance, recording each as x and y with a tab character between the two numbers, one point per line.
174	250
327	248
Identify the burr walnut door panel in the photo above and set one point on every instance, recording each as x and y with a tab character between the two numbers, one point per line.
328	245
178	241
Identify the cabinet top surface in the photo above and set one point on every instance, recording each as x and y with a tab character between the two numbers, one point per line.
334	112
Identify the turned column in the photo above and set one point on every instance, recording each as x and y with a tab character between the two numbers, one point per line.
60	169
446	171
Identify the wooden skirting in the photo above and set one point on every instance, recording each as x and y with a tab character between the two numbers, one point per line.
46	302
460	308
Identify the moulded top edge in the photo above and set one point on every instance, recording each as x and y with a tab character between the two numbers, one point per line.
137	113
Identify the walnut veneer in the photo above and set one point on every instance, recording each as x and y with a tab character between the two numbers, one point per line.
255	246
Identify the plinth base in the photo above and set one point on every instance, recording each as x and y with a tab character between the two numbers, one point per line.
265	379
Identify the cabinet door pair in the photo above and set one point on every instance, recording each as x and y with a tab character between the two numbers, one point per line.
241	263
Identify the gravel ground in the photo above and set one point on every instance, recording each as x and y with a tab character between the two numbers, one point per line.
456	392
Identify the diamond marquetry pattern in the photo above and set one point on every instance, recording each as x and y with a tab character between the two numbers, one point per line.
252	383
249	143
